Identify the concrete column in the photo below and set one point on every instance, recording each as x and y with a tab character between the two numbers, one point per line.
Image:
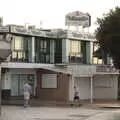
52	51
89	52
33	49
91	91
65	50
7	81
71	88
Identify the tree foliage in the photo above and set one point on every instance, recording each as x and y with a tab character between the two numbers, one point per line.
108	34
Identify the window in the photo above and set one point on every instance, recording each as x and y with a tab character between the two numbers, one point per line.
77	51
58	51
18	81
18	43
42	50
21	49
49	81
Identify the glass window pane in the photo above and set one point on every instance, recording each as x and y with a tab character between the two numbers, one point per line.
14	54
18	43
20	55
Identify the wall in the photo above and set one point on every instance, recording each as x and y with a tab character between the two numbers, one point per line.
83	84
105	87
65	50
84	70
89	52
6	82
61	93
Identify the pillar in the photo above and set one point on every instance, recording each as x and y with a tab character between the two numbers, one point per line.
71	88
65	50
33	49
91	89
52	51
89	52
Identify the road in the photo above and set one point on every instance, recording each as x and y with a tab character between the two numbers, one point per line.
58	113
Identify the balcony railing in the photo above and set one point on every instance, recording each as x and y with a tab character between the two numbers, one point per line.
105	68
92	69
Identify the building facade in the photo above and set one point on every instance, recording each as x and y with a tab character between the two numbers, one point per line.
54	61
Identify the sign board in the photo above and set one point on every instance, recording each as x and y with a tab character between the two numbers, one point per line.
4	29
78	19
17	29
82	36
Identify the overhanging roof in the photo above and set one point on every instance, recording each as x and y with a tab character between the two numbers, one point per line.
51	67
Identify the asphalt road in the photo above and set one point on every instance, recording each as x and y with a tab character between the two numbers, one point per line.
58	113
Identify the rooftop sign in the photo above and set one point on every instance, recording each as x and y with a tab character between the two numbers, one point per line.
78	19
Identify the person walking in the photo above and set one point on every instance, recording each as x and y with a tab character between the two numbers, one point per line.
27	93
76	95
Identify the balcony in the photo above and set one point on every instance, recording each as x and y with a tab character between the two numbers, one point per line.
106	69
87	70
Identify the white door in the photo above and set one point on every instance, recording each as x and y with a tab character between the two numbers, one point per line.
14	84
83	84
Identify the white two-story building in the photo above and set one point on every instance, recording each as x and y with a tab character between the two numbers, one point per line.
54	61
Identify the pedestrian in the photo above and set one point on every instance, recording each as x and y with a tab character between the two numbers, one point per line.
27	93
76	95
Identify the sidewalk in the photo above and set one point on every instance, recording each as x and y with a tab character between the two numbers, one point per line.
85	104
56	113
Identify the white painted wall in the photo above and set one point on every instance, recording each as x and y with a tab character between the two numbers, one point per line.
83	84
6	81
21	71
82	69
105	87
65	50
89	52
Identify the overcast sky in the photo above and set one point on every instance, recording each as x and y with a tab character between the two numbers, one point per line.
51	12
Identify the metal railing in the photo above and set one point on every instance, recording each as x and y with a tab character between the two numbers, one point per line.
105	68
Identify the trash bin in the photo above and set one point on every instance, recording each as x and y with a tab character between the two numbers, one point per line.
6	94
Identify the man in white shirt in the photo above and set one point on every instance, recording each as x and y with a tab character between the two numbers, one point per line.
27	92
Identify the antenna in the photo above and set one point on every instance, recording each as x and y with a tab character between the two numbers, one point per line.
41	22
26	23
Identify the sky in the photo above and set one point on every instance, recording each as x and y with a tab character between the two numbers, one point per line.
51	13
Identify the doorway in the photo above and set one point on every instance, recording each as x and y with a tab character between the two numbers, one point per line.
17	83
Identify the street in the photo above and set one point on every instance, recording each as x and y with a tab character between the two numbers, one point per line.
58	113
